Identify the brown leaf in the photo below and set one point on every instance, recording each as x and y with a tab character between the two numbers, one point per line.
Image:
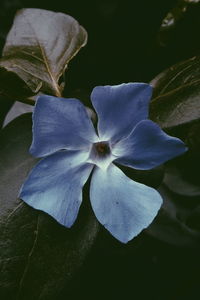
38	49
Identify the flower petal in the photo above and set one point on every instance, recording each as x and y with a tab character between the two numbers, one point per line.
147	147
120	108
55	185
122	205
60	123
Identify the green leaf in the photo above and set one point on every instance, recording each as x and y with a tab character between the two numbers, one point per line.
182	174
178	220
176	95
38	256
38	49
176	108
178	181
5	106
175	19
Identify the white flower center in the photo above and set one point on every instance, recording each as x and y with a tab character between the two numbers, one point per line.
102	149
101	154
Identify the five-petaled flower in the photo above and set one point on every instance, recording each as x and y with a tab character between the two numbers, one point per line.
64	135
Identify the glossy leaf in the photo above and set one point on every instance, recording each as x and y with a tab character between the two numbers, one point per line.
176	95
173	19
176	180
5	106
38	256
176	108
182	174
16	110
177	223
38	49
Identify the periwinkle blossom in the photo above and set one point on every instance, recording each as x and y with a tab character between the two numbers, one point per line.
64	135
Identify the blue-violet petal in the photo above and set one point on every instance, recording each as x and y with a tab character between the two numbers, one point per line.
122	205
55	185
60	123
120	108
147	147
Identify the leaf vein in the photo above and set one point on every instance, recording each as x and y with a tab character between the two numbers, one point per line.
46	61
32	55
28	259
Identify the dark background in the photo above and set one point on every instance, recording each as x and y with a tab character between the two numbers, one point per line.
126	44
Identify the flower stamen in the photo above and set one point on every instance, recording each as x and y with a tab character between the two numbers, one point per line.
102	148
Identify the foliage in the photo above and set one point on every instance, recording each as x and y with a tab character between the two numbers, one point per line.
38	257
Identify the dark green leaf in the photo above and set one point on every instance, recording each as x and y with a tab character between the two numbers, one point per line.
176	108
16	110
176	95
12	87
173	19
5	106
182	174
178	182
38	49
37	255
176	222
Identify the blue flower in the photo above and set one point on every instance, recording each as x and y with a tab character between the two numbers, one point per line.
64	135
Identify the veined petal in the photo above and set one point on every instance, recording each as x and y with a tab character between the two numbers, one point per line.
120	108
147	147
60	123
55	185
122	205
